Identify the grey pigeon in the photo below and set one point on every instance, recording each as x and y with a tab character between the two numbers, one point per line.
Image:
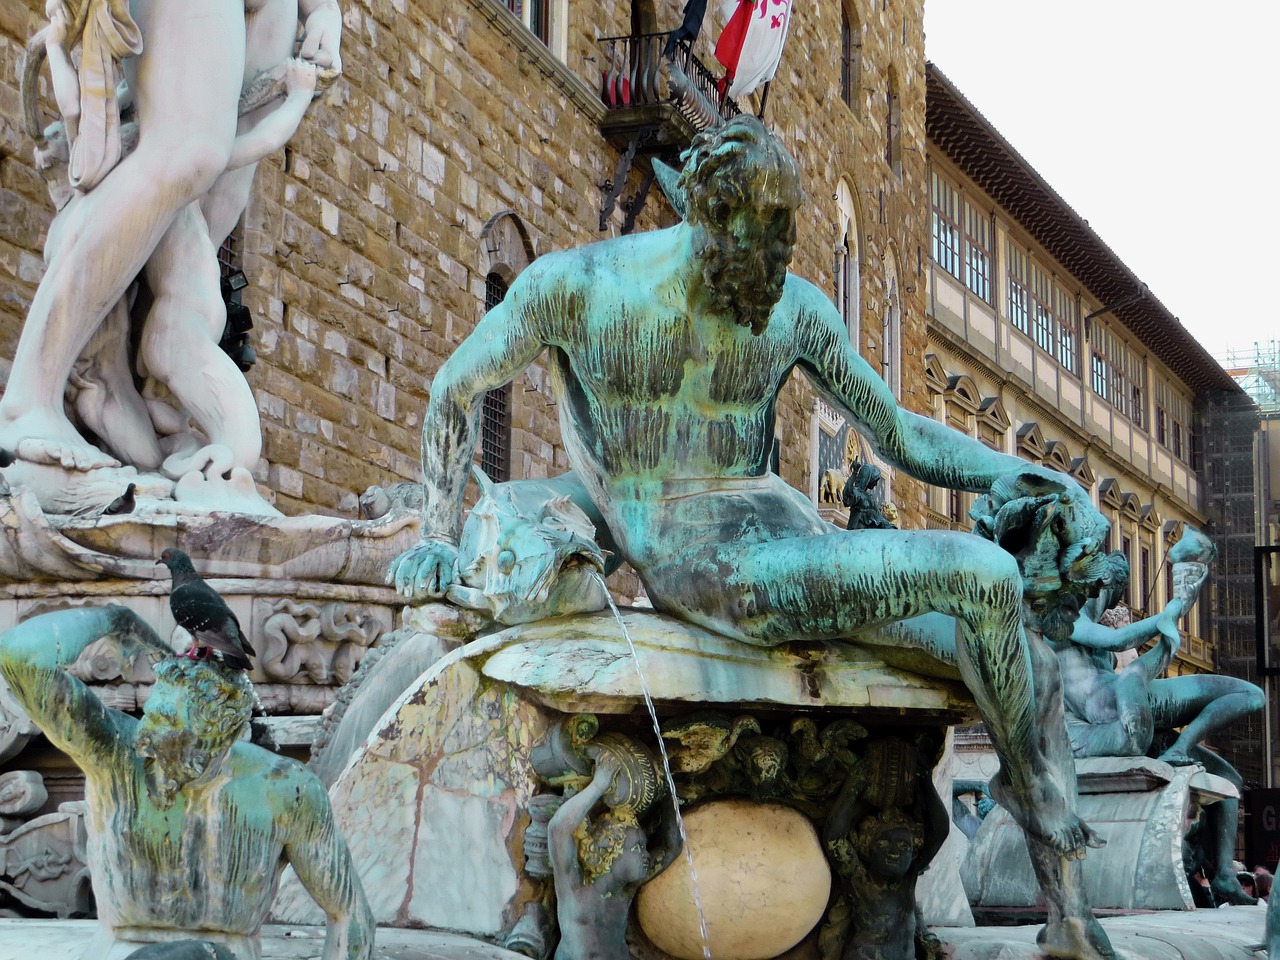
199	610
123	503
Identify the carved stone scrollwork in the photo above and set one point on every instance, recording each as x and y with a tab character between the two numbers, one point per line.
16	727
320	644
42	862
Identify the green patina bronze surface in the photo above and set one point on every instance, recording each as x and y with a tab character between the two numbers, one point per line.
188	827
668	351
1136	711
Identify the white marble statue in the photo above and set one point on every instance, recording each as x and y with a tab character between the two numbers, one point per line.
157	212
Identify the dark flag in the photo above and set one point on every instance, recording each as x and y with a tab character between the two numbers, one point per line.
695	11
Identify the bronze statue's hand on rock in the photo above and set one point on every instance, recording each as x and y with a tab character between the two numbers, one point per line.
426	571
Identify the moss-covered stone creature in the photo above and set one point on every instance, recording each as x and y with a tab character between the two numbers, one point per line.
188	826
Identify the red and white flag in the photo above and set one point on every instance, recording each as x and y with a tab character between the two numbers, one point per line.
750	47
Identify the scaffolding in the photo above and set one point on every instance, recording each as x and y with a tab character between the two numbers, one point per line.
1257	370
1229	424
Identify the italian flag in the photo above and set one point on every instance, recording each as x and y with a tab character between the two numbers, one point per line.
750	47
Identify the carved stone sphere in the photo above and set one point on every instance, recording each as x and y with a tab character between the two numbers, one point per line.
762	879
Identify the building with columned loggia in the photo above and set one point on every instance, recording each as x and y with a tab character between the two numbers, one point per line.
1044	344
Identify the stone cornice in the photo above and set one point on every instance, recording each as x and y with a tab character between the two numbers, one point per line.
543	60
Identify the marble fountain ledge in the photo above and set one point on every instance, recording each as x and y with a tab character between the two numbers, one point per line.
582	663
1228	933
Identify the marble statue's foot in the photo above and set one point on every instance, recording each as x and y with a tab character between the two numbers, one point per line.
1228	890
1177	758
41	436
1076	938
1041	810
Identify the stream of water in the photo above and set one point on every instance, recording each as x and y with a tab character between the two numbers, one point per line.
666	769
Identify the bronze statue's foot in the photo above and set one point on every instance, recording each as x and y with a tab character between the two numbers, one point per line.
1041	810
1228	890
1076	938
1177	758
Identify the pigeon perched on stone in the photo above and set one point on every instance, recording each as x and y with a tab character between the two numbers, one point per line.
123	503
199	610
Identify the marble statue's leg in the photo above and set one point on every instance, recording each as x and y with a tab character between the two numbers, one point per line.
180	338
828	587
1202	705
186	85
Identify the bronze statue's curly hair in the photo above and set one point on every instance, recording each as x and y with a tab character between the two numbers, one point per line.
222	696
737	166
736	161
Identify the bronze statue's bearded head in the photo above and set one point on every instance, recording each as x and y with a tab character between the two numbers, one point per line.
743	190
196	711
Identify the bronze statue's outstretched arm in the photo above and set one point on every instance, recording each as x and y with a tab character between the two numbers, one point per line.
32	660
320	858
924	448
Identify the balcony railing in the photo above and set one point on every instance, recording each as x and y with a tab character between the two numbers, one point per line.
639	71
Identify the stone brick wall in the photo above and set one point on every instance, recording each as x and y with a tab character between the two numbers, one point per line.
364	244
25	210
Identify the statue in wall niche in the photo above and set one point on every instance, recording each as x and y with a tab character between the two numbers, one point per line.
860	496
598	847
668	351
150	176
188	826
1135	711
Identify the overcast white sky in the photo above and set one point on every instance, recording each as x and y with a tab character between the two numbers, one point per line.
1156	121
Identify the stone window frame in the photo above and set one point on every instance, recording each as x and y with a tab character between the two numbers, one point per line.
893	123
506	250
851	57
848	261
891	326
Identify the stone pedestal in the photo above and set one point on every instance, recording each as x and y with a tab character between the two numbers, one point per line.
1138	805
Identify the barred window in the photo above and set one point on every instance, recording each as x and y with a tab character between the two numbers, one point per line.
495	412
946	226
977	248
1019	300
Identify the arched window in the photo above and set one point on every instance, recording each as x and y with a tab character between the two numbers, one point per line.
891	321
505	251
850	57
848	266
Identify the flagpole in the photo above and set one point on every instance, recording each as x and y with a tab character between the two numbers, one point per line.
764	98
